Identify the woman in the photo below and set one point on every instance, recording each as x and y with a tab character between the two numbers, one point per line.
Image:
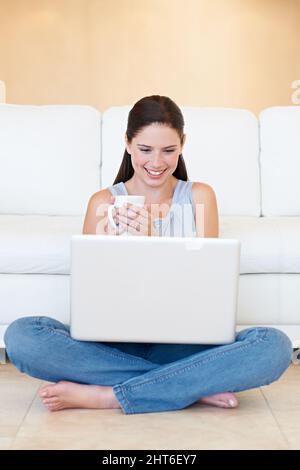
147	377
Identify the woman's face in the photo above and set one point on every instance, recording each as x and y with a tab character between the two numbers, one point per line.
155	148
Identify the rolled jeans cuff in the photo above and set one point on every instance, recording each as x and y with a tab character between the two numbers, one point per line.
121	397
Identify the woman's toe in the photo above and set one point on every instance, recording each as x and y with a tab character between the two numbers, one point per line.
50	401
47	391
223	400
233	402
52	408
43	392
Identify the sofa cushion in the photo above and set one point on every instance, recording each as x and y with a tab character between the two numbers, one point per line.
41	244
49	158
268	244
221	149
279	159
268	299
37	244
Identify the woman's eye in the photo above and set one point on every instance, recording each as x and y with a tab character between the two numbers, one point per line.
147	150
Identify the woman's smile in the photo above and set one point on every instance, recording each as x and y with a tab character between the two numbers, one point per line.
153	173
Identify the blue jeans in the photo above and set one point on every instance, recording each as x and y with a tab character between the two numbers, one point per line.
148	377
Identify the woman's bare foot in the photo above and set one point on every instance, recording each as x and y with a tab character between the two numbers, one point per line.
222	400
73	395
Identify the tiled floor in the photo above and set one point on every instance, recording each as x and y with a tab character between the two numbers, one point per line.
267	418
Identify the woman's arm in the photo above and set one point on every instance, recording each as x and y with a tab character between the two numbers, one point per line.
206	210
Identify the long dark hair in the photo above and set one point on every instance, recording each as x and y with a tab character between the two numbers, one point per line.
146	111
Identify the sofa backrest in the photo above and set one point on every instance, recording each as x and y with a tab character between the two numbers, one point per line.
49	158
280	160
221	149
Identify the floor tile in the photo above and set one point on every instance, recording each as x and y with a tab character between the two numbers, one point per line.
17	392
263	420
5	443
251	426
283	398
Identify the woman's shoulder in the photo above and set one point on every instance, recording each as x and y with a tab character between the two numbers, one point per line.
202	191
103	195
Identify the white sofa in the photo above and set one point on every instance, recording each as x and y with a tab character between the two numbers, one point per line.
53	158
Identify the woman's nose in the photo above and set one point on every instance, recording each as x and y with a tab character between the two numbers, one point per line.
157	160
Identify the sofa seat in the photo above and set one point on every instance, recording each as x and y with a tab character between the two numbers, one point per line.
37	244
40	244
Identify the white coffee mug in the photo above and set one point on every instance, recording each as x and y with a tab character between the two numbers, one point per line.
120	201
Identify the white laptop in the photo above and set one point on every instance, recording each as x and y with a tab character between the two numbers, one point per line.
154	289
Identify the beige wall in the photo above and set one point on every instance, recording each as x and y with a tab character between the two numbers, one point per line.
240	53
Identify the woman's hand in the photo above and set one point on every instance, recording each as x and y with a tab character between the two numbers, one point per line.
136	220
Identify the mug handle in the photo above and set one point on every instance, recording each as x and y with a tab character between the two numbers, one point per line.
110	217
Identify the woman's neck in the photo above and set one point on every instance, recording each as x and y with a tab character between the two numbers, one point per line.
153	195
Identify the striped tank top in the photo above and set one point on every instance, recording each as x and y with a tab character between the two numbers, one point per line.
180	219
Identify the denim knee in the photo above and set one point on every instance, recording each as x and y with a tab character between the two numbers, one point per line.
14	336
272	350
19	337
278	352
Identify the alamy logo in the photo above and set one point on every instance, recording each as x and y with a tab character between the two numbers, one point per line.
296	94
